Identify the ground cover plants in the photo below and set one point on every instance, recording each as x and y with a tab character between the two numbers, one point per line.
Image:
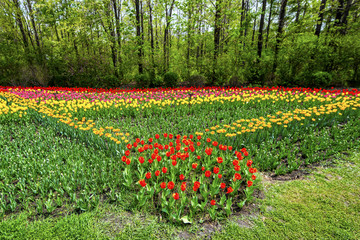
181	154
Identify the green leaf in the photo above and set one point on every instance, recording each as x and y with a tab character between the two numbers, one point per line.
165	210
185	219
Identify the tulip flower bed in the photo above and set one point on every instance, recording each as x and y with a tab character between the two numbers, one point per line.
180	152
184	175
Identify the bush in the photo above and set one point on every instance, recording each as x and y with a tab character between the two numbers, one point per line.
110	81
318	79
236	81
196	80
142	80
155	80
255	73
59	81
321	79
171	79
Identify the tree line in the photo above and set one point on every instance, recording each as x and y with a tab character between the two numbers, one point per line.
110	43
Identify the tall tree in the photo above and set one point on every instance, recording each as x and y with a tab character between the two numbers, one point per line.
217	29
262	20
298	11
320	18
168	13
280	30
33	24
138	36
151	35
345	15
269	22
19	21
255	18
117	12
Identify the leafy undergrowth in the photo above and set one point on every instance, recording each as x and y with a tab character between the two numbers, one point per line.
324	204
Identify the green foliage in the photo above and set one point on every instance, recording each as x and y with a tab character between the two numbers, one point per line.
236	81
255	73
321	79
142	80
171	79
318	79
111	81
156	80
71	50
196	80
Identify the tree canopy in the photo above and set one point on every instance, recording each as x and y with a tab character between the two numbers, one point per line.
109	43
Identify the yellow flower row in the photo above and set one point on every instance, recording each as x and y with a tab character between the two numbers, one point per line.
45	110
68	106
251	125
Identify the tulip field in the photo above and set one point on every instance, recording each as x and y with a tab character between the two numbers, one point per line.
180	153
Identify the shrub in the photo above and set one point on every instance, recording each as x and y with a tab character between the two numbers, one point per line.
142	80
255	73
196	80
171	79
321	79
314	80
155	80
236	81
110	81
59	81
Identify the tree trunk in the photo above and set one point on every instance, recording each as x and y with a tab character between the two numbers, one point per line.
138	35
34	27
199	45
339	12
253	35
344	17
320	18
298	11
217	29
279	31
151	34
142	25
262	20
18	14
269	22
188	40
246	12
166	36
242	19
117	24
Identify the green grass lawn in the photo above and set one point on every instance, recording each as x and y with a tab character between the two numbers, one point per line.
322	205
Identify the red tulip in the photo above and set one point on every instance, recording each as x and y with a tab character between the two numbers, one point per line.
142	182
176	196
171	185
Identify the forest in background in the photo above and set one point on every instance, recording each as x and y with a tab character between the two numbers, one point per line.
111	43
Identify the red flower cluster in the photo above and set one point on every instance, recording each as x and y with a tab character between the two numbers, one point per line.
178	150
196	186
183	186
142	182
